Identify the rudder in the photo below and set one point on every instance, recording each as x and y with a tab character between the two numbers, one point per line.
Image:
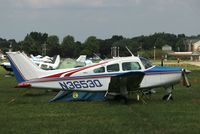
24	69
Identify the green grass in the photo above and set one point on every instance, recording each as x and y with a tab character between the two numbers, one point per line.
28	111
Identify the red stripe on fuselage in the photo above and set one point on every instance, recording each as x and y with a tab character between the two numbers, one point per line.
66	78
69	73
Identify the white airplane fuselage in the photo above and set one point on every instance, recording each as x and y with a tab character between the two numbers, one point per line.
94	81
101	83
96	77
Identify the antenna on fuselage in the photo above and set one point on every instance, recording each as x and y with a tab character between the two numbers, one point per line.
129	51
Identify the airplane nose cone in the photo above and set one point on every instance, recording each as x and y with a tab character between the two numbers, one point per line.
186	71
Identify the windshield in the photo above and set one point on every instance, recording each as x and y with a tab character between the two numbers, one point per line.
146	63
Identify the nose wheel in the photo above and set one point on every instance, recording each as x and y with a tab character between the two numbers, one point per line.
168	96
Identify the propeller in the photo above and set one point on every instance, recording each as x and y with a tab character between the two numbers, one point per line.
185	79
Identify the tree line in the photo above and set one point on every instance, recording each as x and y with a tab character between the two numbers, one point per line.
41	43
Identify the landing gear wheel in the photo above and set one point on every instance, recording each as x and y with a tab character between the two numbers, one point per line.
167	97
124	100
121	98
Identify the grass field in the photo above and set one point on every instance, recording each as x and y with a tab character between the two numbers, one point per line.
29	112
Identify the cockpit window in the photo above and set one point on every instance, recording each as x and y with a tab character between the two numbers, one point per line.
113	68
99	70
130	66
146	63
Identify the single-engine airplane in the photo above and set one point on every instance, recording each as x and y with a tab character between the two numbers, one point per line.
46	63
39	58
6	66
116	76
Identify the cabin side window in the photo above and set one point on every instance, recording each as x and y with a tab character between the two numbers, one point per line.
126	66
113	68
99	70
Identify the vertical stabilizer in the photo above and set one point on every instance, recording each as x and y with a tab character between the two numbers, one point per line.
24	69
81	58
57	62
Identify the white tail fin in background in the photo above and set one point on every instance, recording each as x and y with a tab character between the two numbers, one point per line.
57	62
81	58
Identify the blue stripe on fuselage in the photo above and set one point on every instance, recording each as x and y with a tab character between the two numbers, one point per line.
163	69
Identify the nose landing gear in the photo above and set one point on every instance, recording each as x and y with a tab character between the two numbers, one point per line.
168	96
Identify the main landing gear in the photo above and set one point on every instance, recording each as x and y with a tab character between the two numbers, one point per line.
168	96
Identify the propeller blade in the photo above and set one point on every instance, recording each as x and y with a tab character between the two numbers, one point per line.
185	79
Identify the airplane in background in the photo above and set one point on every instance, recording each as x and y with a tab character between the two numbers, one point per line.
116	77
7	66
2	56
40	58
46	62
83	59
49	63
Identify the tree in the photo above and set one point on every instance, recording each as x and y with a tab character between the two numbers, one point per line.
33	42
68	46
53	47
105	45
91	45
4	45
13	43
